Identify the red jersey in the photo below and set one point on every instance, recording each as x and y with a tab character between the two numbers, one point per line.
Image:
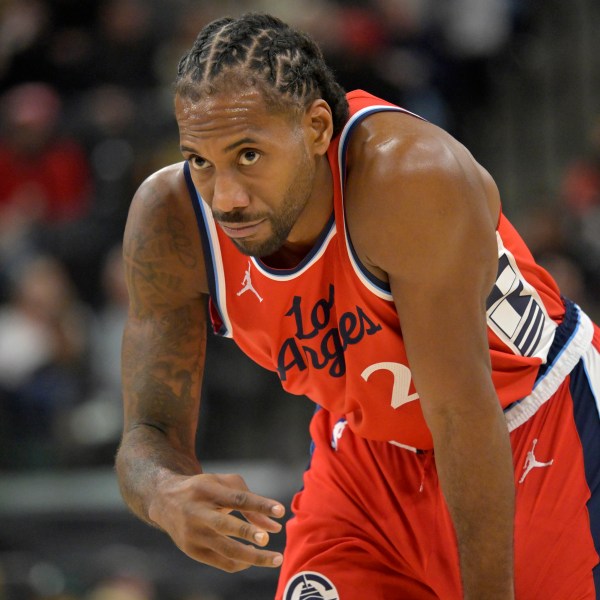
330	329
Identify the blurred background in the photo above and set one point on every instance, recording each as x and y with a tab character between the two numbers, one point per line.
86	115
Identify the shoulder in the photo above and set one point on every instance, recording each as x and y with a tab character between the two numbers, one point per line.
392	145
408	178
160	197
164	185
161	234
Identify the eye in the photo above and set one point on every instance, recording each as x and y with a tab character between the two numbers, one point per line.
199	163
249	157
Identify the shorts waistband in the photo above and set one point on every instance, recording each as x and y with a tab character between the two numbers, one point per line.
571	340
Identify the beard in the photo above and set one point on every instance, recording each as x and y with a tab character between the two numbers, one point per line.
281	220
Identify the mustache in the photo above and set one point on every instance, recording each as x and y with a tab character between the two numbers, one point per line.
237	217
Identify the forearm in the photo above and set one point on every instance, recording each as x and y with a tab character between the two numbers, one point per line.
144	460
474	461
162	373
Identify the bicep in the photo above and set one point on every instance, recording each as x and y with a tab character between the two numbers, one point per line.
164	340
437	245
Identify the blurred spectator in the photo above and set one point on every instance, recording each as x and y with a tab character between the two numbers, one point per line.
580	187
476	29
108	125
356	51
121	588
43	360
125	45
548	231
580	194
23	25
542	225
569	275
44	177
108	327
47	41
119	133
411	63
93	428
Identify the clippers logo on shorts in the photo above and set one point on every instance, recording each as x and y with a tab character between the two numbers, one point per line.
309	585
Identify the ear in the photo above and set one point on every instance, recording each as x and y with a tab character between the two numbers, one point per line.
318	122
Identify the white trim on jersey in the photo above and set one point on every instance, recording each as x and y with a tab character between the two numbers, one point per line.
577	347
358	268
217	260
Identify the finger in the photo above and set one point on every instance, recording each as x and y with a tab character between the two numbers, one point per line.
229	525
214	559
232	556
263	522
210	544
246	501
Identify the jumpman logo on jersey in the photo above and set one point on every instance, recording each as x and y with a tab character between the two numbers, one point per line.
531	462
247	284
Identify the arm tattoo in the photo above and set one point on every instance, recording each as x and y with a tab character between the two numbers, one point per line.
163	350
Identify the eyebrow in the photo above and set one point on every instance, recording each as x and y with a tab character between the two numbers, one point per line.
246	140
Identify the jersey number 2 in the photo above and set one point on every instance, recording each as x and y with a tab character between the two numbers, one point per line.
402	377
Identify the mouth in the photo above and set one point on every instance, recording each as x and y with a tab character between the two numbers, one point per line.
241	230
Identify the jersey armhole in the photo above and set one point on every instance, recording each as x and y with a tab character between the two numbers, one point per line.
374	284
217	315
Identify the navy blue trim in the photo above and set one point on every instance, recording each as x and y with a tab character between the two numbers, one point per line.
311	448
378	283
314	250
562	336
535	335
313	444
382	285
206	246
587	422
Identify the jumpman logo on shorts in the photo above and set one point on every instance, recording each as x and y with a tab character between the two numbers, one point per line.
247	284
336	435
531	462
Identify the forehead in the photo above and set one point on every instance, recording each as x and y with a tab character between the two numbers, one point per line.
227	114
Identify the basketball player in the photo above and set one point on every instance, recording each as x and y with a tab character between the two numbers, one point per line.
362	254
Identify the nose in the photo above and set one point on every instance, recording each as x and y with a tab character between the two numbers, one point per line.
228	193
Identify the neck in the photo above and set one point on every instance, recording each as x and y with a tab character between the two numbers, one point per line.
311	223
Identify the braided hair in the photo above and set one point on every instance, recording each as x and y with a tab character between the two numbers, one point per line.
260	51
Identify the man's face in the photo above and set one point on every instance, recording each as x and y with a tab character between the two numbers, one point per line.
253	167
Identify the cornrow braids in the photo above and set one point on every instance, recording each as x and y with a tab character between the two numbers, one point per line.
259	50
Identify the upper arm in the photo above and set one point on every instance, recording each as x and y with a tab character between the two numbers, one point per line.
165	335
434	213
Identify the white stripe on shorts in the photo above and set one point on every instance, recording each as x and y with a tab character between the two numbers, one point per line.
577	347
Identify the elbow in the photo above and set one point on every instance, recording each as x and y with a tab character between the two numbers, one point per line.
472	414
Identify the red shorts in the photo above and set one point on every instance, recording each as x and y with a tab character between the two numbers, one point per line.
371	521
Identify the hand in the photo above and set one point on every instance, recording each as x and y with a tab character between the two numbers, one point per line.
195	512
